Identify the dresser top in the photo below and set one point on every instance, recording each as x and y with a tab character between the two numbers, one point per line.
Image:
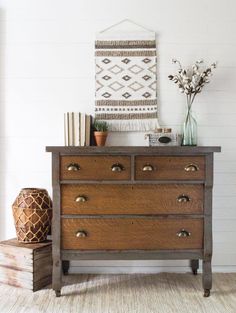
167	150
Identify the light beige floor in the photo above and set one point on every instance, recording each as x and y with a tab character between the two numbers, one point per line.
159	293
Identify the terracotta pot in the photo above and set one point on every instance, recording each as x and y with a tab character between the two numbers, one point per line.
32	212
100	138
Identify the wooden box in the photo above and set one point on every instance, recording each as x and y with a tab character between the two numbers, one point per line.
26	265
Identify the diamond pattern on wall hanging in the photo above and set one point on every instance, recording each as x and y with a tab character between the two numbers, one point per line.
146	77
98	69
126	61
153	86
126	77
106	61
147	60
115	69
126	96
106	95
116	86
135	86
135	69
146	95
106	77
98	85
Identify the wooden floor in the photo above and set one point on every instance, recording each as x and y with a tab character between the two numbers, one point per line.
159	293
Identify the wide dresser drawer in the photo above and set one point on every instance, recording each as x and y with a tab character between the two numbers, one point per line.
170	168
95	167
98	199
131	233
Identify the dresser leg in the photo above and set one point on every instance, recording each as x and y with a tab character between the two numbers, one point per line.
195	266
58	293
56	277
206	277
65	267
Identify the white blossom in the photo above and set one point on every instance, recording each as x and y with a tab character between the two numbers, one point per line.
191	80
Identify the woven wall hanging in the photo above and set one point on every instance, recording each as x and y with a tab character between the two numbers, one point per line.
126	75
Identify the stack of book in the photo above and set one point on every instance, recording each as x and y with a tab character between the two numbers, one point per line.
77	128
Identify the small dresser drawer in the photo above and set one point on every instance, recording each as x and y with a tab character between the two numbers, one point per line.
95	167
169	168
131	234
131	199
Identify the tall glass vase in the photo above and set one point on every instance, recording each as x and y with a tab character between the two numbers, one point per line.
189	129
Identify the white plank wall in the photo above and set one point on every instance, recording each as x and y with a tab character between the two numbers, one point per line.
47	68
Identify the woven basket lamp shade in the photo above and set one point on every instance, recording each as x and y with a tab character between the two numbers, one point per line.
32	212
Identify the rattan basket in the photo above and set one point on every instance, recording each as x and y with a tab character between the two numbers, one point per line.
32	212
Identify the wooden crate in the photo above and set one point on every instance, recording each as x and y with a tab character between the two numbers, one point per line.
26	265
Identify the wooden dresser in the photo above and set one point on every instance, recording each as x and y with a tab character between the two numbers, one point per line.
132	203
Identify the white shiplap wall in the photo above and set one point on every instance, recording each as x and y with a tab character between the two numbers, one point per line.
47	68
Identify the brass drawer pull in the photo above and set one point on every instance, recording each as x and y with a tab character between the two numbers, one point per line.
148	168
191	168
73	167
81	199
183	233
183	198
81	234
117	167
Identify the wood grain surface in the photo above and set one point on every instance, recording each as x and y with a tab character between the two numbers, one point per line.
26	265
131	199
126	150
131	233
95	167
169	167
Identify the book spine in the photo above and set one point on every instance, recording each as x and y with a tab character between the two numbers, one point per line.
70	139
92	140
82	122
87	130
73	128
68	130
79	129
76	129
65	129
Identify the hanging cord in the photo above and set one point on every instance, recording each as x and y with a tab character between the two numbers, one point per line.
124	21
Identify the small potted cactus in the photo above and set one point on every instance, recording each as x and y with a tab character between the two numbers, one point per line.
100	132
